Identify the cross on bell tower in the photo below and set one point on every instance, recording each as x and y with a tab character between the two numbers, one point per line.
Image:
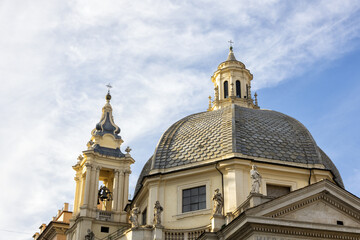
230	43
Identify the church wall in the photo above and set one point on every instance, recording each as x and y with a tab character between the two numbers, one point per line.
169	192
237	181
96	228
174	218
294	178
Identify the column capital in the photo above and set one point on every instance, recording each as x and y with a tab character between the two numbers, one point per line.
88	165
117	170
98	168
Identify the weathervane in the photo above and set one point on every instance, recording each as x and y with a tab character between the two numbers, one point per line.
109	87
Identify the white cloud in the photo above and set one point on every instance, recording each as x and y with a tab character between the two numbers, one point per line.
57	55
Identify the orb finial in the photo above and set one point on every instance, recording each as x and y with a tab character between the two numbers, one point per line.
231	56
108	96
231	44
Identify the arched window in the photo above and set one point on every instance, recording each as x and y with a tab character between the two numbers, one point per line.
247	91
238	89
226	89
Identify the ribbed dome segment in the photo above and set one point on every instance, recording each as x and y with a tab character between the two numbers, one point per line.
251	132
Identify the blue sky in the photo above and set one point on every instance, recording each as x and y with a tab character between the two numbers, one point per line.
57	56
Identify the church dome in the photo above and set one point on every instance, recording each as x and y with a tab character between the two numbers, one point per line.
234	127
235	131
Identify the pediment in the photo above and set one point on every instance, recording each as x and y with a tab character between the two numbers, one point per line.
323	202
320	209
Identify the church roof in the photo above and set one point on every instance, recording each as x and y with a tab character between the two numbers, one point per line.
253	133
107	124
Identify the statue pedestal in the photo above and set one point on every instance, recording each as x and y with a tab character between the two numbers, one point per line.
217	221
158	232
138	233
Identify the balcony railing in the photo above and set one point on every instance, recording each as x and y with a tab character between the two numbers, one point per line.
178	234
104	215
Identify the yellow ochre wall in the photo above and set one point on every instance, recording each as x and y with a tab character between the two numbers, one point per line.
167	188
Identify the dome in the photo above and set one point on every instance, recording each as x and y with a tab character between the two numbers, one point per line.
235	131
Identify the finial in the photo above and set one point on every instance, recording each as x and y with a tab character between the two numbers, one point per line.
256	101
108	96
210	107
128	150
231	56
231	44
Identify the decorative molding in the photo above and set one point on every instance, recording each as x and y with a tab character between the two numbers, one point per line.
304	233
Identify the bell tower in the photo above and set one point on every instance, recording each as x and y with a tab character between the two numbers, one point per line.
102	181
232	82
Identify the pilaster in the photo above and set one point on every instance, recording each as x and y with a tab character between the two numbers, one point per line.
153	197
121	191
126	187
87	184
77	194
115	203
96	186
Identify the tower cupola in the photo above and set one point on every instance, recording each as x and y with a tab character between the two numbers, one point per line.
232	82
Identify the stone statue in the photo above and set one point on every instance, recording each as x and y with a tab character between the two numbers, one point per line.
128	150
218	202
255	180
157	213
134	216
90	235
104	194
90	144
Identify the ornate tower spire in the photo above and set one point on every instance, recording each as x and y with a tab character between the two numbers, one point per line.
106	132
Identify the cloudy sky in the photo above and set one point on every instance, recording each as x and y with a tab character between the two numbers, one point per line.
57	56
